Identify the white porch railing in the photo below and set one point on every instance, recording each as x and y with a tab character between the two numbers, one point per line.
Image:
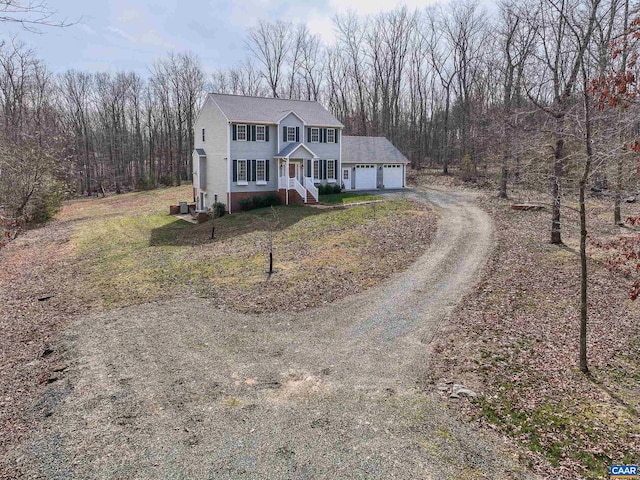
311	188
295	184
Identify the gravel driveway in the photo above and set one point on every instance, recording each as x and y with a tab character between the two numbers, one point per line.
182	389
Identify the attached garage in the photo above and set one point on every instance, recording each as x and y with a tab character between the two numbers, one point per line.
365	177
392	176
371	162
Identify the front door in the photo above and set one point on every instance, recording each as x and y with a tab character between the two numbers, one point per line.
294	171
346	178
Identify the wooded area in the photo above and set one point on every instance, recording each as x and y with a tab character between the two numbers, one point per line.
499	97
541	95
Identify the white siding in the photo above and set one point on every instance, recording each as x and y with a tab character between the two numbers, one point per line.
215	146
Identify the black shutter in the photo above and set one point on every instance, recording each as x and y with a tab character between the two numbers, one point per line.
335	135
253	170
253	133
297	134
308	135
309	168
266	133
235	170
235	131
266	170
284	134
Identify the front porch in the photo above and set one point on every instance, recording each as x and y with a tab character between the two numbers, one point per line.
293	185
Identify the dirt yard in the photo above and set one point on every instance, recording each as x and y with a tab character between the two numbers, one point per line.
185	389
101	254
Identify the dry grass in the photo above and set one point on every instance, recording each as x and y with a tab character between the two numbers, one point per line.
131	255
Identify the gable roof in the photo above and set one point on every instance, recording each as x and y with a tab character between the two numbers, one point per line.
238	108
201	152
370	150
292	147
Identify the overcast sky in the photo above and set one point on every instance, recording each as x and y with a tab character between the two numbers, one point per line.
116	35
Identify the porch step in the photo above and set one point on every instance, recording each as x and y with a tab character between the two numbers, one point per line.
294	197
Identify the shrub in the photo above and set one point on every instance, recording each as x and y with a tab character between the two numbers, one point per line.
328	188
167	180
246	204
45	206
466	168
146	183
259	201
219	209
264	201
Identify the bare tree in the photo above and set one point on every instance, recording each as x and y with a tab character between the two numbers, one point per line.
312	66
32	141
351	34
465	32
446	71
561	56
30	14
270	44
517	41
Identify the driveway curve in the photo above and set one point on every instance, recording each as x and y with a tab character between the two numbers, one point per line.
182	389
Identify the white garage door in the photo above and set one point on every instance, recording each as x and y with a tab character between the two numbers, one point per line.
366	177
392	176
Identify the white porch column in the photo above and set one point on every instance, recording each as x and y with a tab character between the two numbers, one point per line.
286	174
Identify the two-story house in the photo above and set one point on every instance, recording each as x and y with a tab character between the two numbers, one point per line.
248	146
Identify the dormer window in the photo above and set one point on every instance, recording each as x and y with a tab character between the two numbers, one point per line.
291	134
315	135
242	133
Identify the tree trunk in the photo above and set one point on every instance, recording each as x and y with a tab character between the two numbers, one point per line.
556	238
445	155
583	279
617	218
504	176
505	164
583	228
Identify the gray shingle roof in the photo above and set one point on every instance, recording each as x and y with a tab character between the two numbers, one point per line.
370	150
201	152
238	108
289	149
